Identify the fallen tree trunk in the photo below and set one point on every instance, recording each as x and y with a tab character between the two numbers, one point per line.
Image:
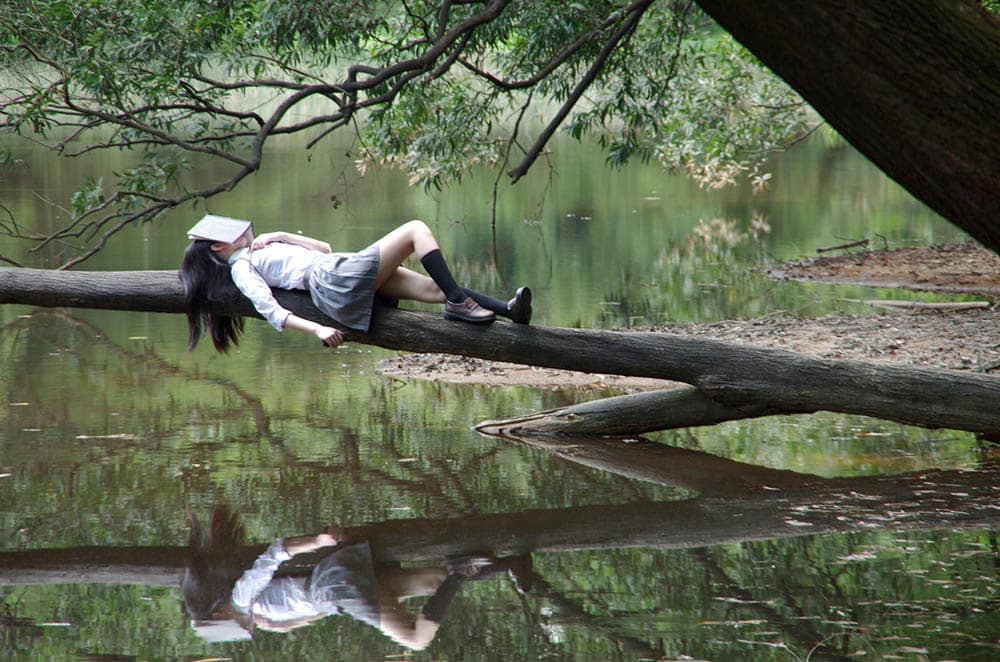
731	375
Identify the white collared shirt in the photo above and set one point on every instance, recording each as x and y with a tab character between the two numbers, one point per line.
278	265
281	599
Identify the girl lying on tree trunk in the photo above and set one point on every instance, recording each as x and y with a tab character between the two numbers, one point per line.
224	254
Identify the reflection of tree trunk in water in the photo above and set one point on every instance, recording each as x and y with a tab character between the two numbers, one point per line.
144	566
732	376
641	459
738	503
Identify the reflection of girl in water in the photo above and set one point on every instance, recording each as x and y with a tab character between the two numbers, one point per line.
226	601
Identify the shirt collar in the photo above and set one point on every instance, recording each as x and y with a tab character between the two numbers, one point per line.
239	254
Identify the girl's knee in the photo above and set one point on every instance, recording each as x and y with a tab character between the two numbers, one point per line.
417	226
420	237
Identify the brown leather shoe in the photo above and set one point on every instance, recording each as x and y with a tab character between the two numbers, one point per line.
520	306
468	311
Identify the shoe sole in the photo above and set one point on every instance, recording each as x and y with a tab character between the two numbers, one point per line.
524	294
470	320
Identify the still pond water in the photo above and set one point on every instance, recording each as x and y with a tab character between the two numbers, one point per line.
693	543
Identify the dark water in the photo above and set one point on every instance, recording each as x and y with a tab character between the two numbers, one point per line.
819	537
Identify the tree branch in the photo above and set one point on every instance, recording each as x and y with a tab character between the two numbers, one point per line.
624	30
449	45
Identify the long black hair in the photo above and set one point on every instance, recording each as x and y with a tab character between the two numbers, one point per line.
214	563
207	281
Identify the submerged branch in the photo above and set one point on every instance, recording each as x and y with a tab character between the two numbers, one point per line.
627	415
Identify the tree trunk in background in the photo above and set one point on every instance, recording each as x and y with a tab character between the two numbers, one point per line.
914	85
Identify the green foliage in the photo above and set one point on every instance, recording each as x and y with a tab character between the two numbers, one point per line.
89	196
701	104
401	135
149	178
431	88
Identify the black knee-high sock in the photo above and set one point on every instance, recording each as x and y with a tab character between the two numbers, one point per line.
489	303
437	269
436	606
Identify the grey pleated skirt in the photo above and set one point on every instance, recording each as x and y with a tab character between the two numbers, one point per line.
344	583
342	285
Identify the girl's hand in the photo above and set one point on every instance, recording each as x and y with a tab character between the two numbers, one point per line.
330	336
332	536
265	239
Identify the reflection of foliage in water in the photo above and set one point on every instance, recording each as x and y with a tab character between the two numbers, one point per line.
874	593
707	276
864	594
118	431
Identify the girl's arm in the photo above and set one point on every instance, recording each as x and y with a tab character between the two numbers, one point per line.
256	579
329	336
259	292
302	544
265	623
290	238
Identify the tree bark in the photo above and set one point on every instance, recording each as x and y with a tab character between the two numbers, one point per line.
737	503
731	375
914	85
625	415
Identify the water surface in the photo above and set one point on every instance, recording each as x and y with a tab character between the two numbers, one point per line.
110	433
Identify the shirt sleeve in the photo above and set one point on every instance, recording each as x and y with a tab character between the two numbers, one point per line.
253	286
256	579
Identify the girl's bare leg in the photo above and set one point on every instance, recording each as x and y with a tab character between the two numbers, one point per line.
416	238
413	238
402	583
405	283
414	632
395	621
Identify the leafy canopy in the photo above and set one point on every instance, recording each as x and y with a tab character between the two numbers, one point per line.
430	87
